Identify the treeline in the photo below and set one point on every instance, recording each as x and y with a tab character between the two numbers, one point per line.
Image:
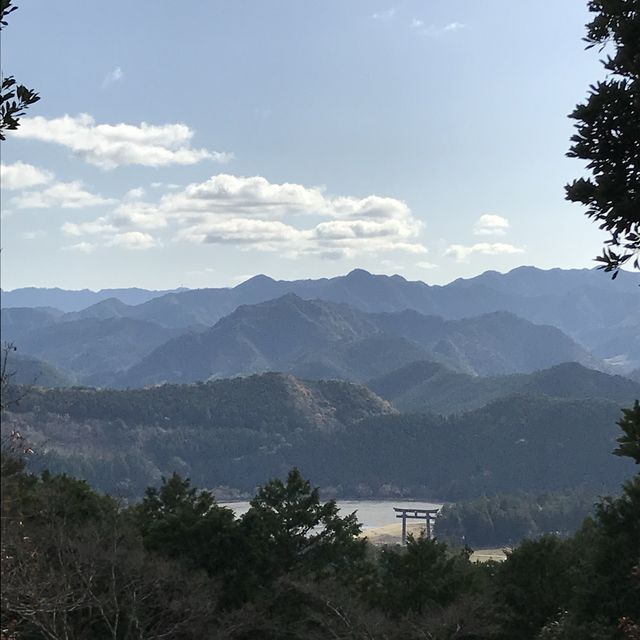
236	433
271	402
505	520
76	564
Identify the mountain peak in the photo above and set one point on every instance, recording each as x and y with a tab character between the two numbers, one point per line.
257	281
358	273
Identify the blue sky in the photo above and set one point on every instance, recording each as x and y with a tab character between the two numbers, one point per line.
200	143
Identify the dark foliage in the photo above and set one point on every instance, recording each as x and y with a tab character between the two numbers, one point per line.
14	98
629	441
234	433
608	133
76	564
505	520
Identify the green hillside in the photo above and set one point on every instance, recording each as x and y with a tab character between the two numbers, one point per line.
235	432
429	386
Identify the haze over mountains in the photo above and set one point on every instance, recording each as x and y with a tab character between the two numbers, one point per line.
317	339
576	300
429	386
170	336
458	379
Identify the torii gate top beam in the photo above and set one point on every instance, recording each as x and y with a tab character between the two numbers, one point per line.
428	515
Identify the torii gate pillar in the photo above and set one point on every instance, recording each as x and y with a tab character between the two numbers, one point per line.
428	515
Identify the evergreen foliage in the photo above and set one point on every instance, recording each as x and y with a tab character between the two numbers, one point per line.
15	98
234	433
505	520
76	564
608	133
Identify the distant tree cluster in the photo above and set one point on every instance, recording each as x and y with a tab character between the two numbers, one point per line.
504	520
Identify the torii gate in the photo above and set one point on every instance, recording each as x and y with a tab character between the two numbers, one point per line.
428	515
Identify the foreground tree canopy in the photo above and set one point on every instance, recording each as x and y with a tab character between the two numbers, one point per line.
608	133
14	97
76	564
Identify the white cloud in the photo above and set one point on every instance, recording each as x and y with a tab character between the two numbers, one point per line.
233	195
160	185
236	196
462	253
114	145
67	195
113	76
83	247
133	240
21	175
94	227
135	194
145	215
126	240
426	265
255	214
241	211
266	235
435	31
387	14
490	224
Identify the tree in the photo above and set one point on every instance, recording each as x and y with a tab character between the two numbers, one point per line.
288	529
180	522
608	134
533	586
629	441
74	566
420	577
14	98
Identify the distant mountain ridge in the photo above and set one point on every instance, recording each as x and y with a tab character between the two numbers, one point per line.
584	303
84	347
430	386
315	339
75	300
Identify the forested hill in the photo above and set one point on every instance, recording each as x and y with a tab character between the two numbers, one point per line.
430	386
308	338
234	433
318	339
272	402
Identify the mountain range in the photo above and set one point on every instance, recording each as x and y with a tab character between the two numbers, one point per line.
503	382
318	339
601	314
430	386
310	338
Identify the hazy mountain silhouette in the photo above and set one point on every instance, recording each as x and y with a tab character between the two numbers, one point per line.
430	386
584	303
323	339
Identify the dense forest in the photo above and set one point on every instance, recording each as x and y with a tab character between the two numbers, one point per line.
231	434
505	520
76	564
